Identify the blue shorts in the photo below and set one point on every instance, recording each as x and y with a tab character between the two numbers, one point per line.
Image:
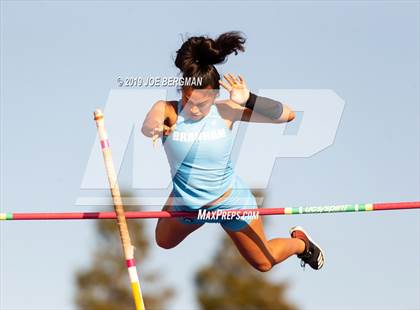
239	198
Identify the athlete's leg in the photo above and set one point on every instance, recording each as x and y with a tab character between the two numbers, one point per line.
261	253
171	231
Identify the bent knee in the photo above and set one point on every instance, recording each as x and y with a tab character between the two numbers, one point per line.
263	267
163	240
165	243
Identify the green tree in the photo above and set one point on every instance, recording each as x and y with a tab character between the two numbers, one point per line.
105	284
229	282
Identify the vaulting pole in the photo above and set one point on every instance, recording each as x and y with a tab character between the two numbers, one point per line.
250	212
119	211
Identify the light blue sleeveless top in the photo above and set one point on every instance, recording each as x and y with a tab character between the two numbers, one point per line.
198	153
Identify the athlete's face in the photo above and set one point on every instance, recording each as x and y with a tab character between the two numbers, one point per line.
197	102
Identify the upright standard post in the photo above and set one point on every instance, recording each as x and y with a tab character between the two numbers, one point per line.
119	211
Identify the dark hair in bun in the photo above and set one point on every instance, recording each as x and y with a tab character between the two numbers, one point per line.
198	55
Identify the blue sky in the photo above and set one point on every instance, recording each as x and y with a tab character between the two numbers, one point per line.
60	61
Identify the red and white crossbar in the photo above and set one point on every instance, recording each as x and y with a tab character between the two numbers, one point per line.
243	212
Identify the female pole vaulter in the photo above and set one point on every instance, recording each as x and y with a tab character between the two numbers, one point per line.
197	138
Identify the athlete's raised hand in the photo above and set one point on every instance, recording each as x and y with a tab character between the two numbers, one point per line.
160	131
236	87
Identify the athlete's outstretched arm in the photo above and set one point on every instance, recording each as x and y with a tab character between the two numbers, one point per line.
253	108
154	123
155	118
257	116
